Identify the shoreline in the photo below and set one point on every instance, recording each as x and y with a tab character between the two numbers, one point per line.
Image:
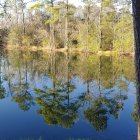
71	50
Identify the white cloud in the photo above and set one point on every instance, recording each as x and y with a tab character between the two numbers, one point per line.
76	2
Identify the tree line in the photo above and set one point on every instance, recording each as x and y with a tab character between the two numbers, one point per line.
96	25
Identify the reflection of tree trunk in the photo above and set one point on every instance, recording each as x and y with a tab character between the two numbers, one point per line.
88	90
136	14
68	77
99	76
121	72
0	70
54	70
111	80
53	73
20	84
26	77
138	95
9	80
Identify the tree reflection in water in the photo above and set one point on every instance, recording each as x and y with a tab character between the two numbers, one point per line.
2	89
51	82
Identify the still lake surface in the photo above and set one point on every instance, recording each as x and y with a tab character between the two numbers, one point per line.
61	96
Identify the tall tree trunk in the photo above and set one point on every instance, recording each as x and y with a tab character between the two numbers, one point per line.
52	34
0	70
99	76
136	14
88	24
66	25
23	16
106	20
100	32
16	11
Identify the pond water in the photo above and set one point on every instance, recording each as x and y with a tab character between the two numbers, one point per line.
61	96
